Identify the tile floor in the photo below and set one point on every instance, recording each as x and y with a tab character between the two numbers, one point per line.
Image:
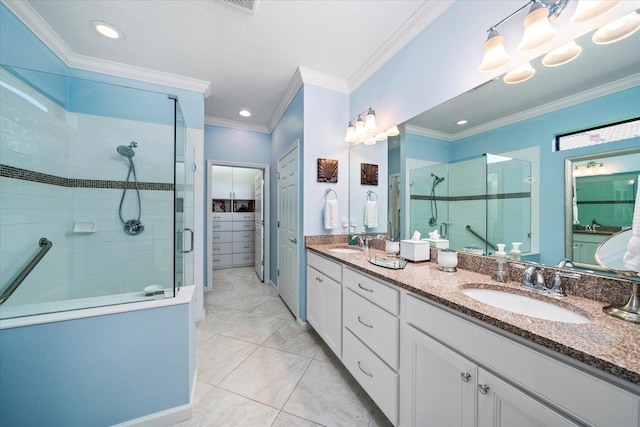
257	367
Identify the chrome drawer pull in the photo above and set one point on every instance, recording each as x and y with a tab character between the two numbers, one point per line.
364	289
483	388
363	371
365	324
465	376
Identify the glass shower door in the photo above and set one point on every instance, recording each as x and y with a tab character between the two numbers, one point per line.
184	203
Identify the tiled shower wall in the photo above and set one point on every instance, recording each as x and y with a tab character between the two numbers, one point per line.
83	182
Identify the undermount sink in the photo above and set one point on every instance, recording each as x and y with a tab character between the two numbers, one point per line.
346	250
525	305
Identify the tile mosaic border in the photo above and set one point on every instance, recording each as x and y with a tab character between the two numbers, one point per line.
502	196
12	172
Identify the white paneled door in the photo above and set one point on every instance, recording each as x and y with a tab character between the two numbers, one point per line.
259	218
288	262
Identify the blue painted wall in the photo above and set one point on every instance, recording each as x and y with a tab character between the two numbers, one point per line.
289	129
96	371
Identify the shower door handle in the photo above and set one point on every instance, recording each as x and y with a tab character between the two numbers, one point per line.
182	240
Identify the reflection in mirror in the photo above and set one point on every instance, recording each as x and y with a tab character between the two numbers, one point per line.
368	188
486	200
599	200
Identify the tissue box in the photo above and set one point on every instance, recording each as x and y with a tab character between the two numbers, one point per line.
415	250
438	243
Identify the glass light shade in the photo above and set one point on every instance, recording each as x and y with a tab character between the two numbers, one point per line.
381	136
351	133
370	122
602	169
494	54
369	141
537	30
392	131
618	29
519	74
562	55
360	130
591	9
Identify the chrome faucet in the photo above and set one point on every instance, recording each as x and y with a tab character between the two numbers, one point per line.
533	278
565	263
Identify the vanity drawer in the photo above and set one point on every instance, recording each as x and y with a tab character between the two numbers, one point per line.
221	248
244	236
221	237
221	226
369	288
242	247
379	330
378	380
221	216
243	216
219	261
327	267
243	226
242	259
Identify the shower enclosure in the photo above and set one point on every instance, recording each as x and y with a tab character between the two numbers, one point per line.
101	172
475	203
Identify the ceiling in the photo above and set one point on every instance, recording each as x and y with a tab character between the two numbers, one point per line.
249	57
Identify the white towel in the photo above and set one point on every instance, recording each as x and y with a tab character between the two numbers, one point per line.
631	258
330	214
371	214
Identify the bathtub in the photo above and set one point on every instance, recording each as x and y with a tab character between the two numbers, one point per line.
117	364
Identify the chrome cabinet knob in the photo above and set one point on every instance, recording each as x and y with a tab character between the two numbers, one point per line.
483	388
465	376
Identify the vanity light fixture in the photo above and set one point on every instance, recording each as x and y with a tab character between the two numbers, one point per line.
591	168
562	55
618	29
538	31
365	129
519	74
591	9
107	30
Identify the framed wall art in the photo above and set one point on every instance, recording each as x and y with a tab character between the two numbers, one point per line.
368	174
327	170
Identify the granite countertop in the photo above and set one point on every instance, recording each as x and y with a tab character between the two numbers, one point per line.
606	343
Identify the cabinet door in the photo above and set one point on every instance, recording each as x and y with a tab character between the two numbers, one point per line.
314	296
500	404
243	183
438	386
332	315
221	182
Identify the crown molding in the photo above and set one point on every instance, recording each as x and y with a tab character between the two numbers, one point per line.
226	123
414	26
326	81
584	96
294	85
50	38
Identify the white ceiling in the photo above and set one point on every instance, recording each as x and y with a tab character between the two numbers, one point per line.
249	58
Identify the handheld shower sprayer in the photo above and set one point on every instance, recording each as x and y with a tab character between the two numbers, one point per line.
132	227
433	221
436	179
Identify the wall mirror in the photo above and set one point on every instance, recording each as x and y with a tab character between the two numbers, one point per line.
519	123
600	191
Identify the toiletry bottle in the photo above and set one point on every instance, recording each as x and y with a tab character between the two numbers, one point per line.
352	236
501	274
515	251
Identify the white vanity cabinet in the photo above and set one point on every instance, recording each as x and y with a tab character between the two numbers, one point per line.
453	367
372	338
324	300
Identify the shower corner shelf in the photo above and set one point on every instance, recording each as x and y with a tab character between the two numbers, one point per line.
85	227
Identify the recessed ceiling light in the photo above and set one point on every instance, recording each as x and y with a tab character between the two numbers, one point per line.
461	122
107	30
245	113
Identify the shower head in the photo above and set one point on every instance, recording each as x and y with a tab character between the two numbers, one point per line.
436	179
127	151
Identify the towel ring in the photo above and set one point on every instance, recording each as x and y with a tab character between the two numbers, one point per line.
329	191
371	195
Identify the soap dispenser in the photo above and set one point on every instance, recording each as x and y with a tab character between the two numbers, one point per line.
501	273
516	255
352	235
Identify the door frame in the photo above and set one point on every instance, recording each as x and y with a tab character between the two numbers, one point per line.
208	228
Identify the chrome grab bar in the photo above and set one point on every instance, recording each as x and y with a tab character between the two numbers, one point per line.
45	245
491	245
